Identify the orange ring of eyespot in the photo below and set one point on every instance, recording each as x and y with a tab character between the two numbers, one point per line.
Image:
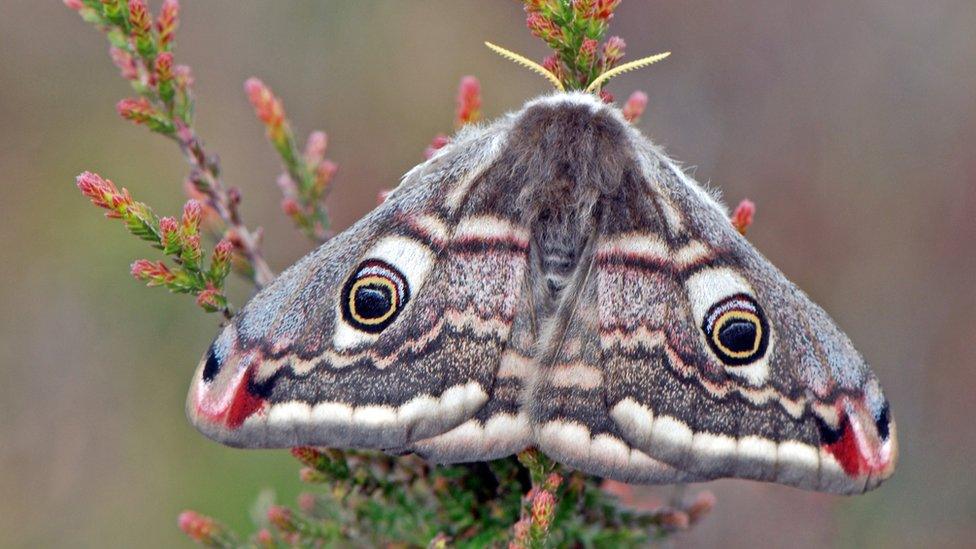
373	279
738	315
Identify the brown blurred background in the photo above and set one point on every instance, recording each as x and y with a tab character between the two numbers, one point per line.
851	123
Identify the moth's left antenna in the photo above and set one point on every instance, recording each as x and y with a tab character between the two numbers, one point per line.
527	63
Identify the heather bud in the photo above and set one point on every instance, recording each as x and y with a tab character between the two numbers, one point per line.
164	76
604	9
192	213
141	111
140	25
210	299
168	22
543	504
743	214
544	28
468	101
436	144
315	147
613	51
124	61
153	273
634	107
267	107
281	518
587	52
199	528
290	206
703	504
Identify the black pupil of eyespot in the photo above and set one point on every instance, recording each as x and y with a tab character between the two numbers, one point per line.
738	336
373	301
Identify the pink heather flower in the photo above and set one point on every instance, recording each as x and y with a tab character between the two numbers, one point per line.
520	534
584	9
606	96
743	214
164	67
307	455
124	61
286	184
267	107
281	518
192	190
310	476
306	502
168	22
315	147
468	101
192	213
191	248
210	299
264	538
198	527
704	502
635	105
544	28
138	110
553	481
613	51
436	144
184	77
74	4
154	273
139	17
587	52
168	229
553	65
325	171
104	194
222	251
673	519
543	504
290	206
604	9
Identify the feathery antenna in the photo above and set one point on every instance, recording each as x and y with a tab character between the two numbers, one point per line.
626	67
527	63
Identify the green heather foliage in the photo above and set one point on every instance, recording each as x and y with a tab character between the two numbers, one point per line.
358	498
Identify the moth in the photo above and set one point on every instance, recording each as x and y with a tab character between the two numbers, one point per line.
552	280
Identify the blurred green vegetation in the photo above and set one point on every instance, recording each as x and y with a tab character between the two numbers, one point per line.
850	123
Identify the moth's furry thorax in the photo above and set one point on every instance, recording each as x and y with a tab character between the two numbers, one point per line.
565	156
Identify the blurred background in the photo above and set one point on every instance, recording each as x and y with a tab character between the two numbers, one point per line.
850	123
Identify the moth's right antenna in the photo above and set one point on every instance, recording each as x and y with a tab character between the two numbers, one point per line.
527	63
626	67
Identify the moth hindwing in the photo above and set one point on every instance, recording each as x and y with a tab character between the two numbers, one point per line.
552	280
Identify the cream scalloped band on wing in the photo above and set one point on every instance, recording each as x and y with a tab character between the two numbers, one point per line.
552	280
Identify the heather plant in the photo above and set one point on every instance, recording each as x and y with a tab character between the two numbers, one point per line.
358	497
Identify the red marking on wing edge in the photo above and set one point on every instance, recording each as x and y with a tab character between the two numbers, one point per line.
244	404
847	451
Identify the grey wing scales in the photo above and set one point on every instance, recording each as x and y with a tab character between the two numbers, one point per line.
345	350
715	363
